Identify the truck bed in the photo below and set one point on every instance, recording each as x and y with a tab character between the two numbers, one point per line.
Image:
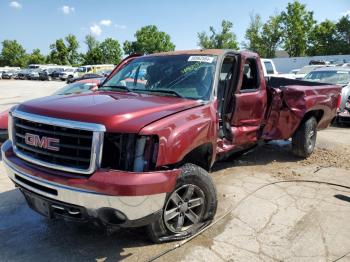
290	101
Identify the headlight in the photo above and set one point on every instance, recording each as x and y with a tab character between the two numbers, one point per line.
129	152
146	153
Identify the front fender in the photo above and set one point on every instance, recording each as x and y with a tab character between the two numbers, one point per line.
182	132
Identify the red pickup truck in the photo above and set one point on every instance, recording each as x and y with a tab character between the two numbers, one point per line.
138	151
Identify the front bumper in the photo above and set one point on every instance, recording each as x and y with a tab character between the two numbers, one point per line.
117	191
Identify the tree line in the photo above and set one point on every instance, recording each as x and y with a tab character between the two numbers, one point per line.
295	30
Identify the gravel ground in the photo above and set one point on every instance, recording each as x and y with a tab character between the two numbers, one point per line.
267	209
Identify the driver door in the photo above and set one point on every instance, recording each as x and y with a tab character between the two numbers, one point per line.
250	102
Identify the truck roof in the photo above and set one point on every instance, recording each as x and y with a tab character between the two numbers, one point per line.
200	52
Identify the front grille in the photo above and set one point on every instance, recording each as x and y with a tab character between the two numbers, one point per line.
74	146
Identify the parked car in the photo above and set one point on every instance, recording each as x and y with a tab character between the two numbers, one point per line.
86	76
82	70
82	86
24	74
68	73
268	67
9	74
34	74
307	69
105	72
49	73
56	73
140	155
338	76
319	62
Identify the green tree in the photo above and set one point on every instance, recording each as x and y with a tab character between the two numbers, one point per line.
13	54
94	53
149	40
72	48
91	42
323	39
264	38
36	57
64	51
111	51
271	36
297	24
225	39
253	35
59	53
343	34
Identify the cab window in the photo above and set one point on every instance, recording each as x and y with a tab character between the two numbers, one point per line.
250	81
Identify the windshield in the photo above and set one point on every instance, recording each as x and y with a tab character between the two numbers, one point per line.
188	76
75	88
331	77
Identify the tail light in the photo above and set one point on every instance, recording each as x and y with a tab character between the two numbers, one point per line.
339	102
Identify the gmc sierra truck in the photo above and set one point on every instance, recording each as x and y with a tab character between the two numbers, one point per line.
138	151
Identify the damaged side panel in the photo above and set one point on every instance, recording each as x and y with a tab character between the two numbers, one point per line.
291	104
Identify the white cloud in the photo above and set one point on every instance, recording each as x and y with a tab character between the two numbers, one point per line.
95	29
106	22
346	13
15	5
120	26
66	9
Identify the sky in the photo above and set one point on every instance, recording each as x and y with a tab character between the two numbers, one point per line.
37	24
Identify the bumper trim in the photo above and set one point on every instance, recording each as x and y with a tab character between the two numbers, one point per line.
134	207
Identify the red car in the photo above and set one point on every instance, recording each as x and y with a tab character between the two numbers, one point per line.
139	153
78	87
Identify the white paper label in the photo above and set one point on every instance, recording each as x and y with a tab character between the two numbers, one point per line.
204	59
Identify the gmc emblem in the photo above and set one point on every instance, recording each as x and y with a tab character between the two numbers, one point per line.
43	142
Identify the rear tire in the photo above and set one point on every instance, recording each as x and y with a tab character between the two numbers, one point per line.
304	139
190	207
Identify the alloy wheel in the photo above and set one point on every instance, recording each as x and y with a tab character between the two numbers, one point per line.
184	208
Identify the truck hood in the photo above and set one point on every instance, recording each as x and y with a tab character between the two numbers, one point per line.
118	111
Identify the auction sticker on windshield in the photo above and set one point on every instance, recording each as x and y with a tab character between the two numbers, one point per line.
204	59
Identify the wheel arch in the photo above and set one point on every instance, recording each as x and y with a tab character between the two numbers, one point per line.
317	113
201	155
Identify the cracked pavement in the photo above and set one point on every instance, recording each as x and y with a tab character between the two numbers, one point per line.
285	221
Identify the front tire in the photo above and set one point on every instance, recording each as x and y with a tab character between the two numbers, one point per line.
191	206
304	139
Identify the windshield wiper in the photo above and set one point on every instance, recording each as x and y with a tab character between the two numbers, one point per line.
120	87
160	91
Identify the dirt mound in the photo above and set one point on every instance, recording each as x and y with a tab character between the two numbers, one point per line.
327	157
